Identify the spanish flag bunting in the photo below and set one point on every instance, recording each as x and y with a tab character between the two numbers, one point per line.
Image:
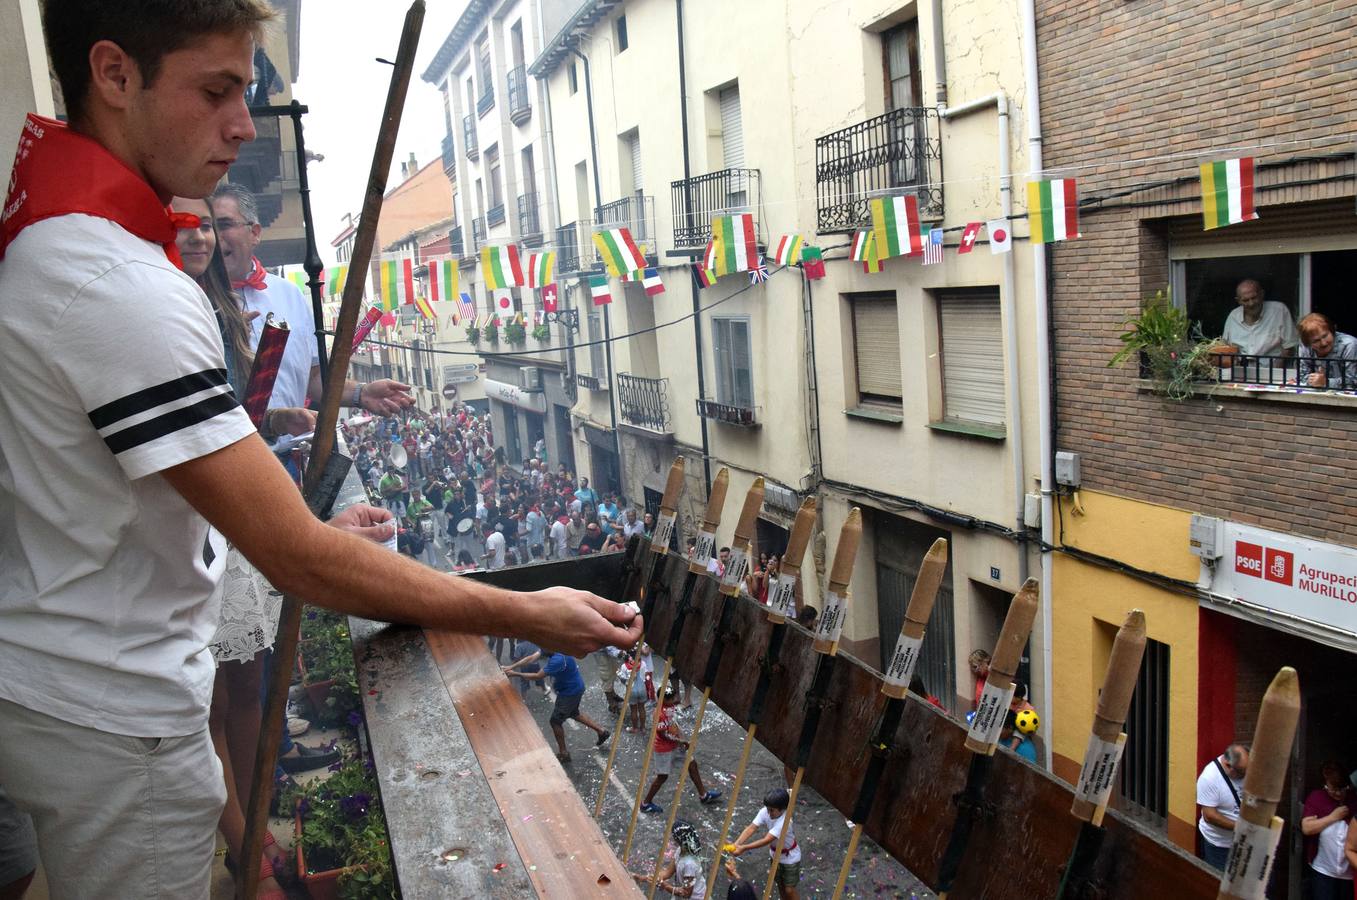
620	253
895	223
443	280
425	308
1227	192
1052	210
501	267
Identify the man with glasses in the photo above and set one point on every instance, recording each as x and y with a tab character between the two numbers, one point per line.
238	232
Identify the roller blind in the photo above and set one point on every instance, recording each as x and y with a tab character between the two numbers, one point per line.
732	132
876	340
635	147
972	357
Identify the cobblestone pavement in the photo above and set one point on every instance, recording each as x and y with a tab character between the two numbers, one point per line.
821	830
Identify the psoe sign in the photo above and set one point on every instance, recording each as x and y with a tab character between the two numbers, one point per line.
511	394
1311	580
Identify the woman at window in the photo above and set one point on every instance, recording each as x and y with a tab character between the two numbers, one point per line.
1328	358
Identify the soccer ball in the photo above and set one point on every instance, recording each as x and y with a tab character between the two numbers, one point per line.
1027	721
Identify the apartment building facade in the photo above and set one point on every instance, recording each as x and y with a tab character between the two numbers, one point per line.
1250	465
495	151
903	392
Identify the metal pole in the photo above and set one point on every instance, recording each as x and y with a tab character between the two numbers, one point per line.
312	264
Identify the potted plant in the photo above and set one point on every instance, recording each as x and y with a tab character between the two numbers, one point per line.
514	333
492	332
328	672
1170	347
342	846
541	333
473	334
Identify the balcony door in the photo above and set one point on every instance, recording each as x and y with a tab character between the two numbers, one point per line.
903	91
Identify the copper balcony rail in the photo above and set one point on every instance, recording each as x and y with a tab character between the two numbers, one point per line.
898	152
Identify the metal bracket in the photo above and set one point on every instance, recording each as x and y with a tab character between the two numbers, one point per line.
570	318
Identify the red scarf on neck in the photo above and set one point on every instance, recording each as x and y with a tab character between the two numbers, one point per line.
58	172
255	279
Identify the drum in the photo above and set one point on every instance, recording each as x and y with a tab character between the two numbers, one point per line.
397	456
464	526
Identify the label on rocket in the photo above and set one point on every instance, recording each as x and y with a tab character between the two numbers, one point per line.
906	657
664	532
830	624
782	597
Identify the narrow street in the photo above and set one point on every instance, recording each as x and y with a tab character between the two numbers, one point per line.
821	830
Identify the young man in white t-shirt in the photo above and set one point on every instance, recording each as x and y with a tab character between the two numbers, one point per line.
120	441
771	819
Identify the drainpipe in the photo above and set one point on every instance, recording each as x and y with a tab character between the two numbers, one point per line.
999	101
607	318
939	56
688	205
1042	320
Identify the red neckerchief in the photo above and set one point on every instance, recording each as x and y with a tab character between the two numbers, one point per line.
42	187
254	280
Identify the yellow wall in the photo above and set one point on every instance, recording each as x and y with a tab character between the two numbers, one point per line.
1092	601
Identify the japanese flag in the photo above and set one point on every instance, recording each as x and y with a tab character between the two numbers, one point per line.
504	300
1000	236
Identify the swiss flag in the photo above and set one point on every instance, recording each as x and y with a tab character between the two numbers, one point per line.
968	237
549	298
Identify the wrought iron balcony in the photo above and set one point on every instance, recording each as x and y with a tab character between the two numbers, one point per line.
899	152
520	108
635	213
644	402
495	215
699	199
486	101
455	245
449	156
591	382
745	416
529	220
469	137
575	248
478	232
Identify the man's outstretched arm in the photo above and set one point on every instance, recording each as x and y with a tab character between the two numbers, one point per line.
245	494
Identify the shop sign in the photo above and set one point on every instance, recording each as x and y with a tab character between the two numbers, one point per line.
514	396
1311	580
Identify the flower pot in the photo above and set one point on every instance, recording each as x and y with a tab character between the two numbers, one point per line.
318	692
322	885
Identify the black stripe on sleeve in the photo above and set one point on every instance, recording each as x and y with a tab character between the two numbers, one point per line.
170	422
156	395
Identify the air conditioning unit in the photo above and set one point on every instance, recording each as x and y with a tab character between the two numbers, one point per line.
565	381
778	497
530	378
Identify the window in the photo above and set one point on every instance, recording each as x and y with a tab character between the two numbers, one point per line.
447	107
734	372
1143	782
492	165
972	351
621	29
573	78
631	162
732	130
595	345
876	351
516	43
483	66
901	58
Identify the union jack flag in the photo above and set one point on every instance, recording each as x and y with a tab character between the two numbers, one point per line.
758	274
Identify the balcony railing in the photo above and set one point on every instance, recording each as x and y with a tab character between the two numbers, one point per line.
529	220
520	109
635	213
478	232
455	245
495	215
899	152
449	156
644	402
700	199
575	247
591	382
486	101
1284	373
745	416
469	137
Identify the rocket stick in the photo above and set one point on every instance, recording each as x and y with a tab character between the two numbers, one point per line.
786	588
895	686
659	547
984	730
697	567
1105	744
285	643
731	580
1258	829
827	632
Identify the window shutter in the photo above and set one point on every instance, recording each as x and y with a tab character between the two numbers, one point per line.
972	358
732	132
636	182
876	337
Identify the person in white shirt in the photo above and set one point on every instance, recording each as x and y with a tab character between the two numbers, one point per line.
559	534
1257	326
1218	788
494	548
632	526
682	876
771	819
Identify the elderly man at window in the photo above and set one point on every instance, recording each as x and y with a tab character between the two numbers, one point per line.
1259	327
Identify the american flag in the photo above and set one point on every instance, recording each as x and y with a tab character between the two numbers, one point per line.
933	247
466	308
758	274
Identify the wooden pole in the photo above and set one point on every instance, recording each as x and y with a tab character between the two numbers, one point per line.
659	547
285	644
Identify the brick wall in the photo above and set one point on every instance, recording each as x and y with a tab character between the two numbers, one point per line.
1125	82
